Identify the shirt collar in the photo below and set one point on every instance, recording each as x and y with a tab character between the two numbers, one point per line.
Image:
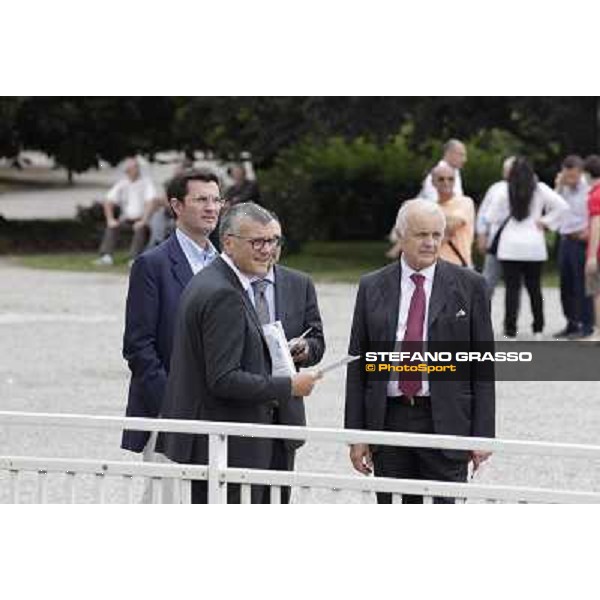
407	271
245	281
270	277
186	241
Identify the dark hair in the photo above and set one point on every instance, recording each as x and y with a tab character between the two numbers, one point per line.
573	161
178	186
522	182
592	166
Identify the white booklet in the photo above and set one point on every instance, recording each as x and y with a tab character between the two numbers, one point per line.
282	363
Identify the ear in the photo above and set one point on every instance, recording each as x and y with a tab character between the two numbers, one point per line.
226	244
175	206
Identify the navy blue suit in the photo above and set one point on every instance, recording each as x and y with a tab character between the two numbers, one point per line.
157	279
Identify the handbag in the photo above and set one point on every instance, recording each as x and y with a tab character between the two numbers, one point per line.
493	249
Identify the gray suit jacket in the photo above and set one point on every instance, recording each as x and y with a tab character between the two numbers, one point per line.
220	369
465	408
297	308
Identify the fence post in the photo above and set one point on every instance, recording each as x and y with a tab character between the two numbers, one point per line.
217	462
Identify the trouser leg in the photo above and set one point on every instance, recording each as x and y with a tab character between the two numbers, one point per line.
512	278
109	240
138	241
533	283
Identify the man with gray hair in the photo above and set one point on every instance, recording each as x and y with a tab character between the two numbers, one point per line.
419	300
455	157
220	363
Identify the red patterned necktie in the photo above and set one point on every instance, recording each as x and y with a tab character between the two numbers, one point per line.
414	334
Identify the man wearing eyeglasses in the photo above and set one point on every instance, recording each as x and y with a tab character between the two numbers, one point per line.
221	367
289	296
455	157
156	282
460	218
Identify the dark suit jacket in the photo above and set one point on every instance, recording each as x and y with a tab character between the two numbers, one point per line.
220	369
464	408
156	282
297	308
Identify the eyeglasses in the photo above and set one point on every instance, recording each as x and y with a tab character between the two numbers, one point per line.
260	243
206	199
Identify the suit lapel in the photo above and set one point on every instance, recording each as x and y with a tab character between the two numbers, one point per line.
440	291
179	264
282	293
235	282
389	290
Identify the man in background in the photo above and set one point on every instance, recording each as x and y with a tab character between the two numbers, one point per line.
577	306
459	211
156	282
455	157
135	195
242	189
289	296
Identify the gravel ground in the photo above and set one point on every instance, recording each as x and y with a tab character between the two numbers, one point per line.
60	341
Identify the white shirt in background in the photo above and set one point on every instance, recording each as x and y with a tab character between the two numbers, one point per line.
132	196
577	218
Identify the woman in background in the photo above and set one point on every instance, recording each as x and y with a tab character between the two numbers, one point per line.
523	212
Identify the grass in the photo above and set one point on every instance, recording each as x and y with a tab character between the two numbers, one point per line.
342	262
72	261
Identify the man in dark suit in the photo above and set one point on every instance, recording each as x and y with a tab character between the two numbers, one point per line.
221	367
290	297
156	282
416	300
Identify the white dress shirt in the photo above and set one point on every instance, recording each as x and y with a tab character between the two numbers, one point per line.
245	281
407	287
132	196
576	219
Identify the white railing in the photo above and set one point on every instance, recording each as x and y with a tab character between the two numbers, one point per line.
219	475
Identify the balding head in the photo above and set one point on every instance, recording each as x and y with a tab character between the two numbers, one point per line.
455	153
443	178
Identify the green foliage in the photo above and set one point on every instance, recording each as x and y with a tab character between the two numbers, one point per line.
345	190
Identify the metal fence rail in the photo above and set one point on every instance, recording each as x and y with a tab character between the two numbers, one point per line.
219	475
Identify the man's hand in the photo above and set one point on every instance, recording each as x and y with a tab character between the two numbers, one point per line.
112	223
591	265
299	350
479	457
362	460
303	383
139	224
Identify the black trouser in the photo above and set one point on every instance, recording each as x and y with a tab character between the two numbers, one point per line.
577	307
414	463
531	272
283	460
